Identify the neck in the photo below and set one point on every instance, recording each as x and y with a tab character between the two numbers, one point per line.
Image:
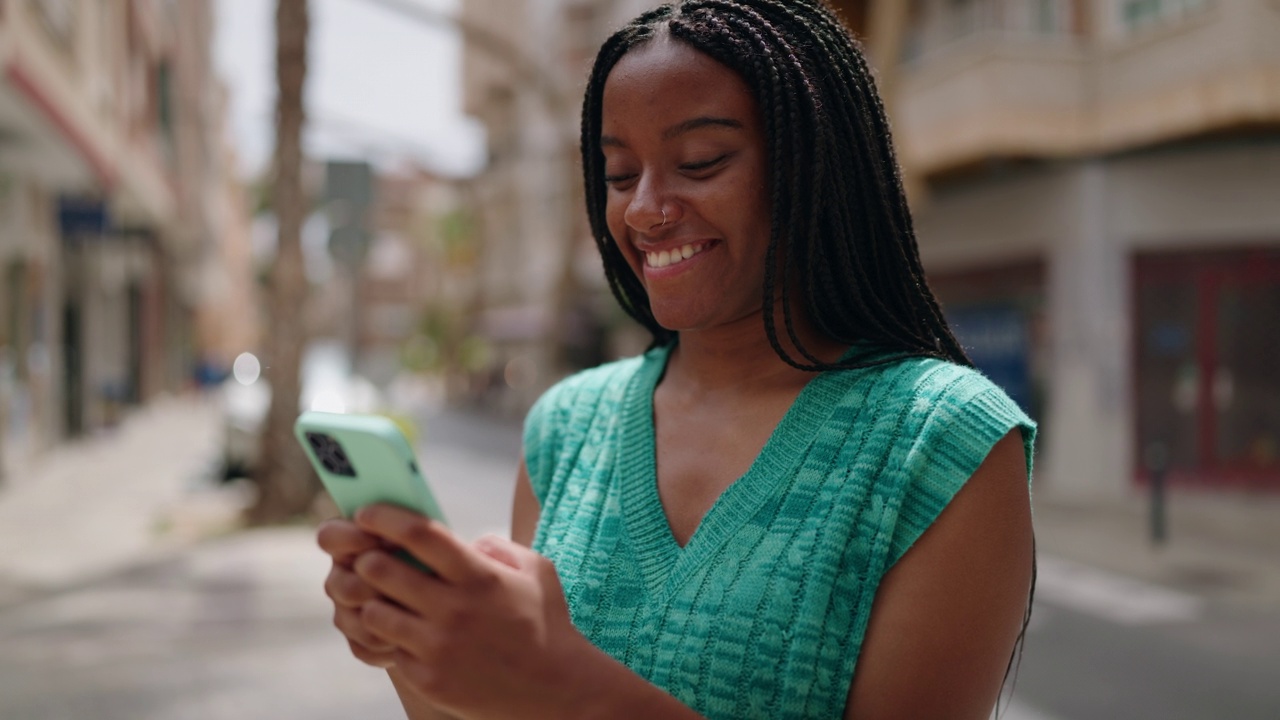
740	356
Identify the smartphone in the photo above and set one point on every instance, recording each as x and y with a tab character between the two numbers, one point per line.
364	460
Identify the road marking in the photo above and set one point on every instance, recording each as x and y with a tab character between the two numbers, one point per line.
1110	596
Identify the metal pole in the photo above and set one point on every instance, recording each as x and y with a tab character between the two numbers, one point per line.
1157	470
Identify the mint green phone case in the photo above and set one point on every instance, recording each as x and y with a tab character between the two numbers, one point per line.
363	460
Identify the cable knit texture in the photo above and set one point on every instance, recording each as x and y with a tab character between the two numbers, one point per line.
762	613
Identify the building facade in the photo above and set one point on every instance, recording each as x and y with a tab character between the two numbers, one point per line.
1100	215
419	275
111	189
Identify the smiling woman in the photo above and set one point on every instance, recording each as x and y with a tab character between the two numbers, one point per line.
685	169
802	501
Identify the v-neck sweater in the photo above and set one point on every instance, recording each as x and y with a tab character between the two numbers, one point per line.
762	613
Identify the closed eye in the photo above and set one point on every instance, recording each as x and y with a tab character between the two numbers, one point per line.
704	165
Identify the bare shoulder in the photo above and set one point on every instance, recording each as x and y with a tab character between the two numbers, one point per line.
947	615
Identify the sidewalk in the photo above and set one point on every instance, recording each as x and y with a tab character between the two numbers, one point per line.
1224	548
97	505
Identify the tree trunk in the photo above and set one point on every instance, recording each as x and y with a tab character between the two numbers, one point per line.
287	484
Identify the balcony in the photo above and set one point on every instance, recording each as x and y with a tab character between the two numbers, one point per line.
992	95
999	93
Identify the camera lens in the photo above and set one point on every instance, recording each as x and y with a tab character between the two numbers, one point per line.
330	454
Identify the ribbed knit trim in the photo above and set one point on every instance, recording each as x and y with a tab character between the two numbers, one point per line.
663	562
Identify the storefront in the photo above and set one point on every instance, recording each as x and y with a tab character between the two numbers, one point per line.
1207	365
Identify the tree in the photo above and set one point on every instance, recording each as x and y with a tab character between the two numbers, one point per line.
286	483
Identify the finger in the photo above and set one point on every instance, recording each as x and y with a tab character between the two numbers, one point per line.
343	540
396	580
429	541
346	588
350	624
395	626
500	549
371	658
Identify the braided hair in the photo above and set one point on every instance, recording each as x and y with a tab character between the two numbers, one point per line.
840	223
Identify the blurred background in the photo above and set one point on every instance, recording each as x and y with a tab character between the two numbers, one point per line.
216	213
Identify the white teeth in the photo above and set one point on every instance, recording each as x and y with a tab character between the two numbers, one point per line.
663	258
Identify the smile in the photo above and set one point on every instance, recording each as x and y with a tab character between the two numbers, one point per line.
663	258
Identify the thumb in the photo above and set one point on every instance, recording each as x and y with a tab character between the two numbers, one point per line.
500	549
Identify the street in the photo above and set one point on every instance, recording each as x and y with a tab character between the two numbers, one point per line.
238	627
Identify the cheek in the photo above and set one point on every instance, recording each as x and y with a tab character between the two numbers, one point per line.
613	218
615	221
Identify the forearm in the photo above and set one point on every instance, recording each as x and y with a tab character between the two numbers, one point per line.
612	691
609	690
415	707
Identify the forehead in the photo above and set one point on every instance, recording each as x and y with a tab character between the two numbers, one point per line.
666	80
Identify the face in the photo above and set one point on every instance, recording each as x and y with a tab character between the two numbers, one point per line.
688	200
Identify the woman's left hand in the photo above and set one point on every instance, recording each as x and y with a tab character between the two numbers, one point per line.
487	636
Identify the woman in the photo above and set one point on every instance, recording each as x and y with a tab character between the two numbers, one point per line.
802	502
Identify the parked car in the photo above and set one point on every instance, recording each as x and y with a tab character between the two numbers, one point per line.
328	384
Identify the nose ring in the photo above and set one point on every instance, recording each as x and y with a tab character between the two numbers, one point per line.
664	218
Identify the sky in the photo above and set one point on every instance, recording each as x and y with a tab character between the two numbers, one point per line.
378	86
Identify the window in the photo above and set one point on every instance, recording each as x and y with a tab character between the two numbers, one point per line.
966	17
1048	17
1139	14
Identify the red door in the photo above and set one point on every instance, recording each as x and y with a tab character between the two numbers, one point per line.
1207	365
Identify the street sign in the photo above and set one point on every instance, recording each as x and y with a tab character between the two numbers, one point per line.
348	201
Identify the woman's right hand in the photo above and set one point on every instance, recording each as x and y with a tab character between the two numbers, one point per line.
344	542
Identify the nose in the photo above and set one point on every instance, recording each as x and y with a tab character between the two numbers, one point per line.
649	209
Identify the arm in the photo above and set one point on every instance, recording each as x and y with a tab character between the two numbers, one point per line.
947	615
415	706
525	510
524	521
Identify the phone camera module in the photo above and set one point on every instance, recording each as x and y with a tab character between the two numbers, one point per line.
330	453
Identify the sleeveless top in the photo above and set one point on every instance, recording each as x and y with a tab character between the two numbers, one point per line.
762	613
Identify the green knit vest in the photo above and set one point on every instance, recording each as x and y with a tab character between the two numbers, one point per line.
763	612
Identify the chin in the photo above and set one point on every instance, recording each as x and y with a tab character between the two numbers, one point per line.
676	320
685	317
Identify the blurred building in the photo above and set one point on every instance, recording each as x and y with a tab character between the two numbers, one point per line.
113	195
1099	210
516	82
419	277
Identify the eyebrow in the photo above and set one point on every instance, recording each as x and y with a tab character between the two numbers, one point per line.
680	129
